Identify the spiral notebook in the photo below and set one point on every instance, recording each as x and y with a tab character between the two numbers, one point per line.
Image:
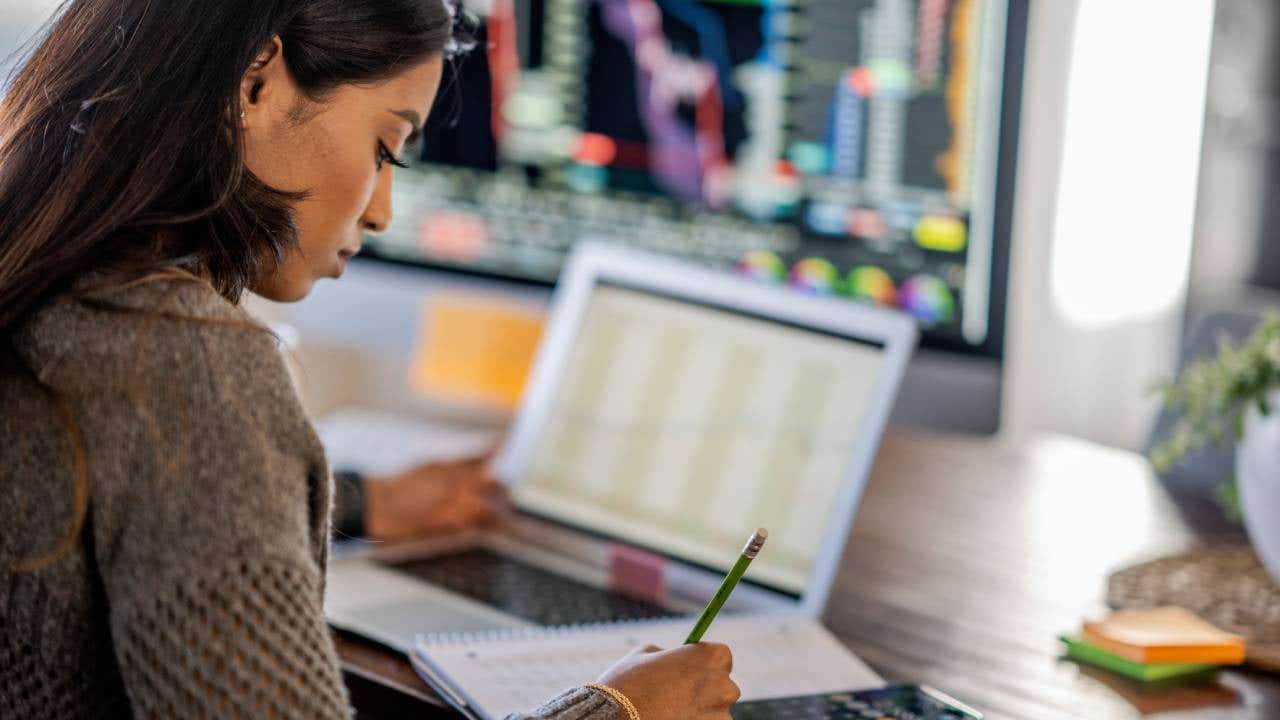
488	675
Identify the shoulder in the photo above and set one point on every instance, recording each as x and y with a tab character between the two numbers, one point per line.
194	437
100	335
166	368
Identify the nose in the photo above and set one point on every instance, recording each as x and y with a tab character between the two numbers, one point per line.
377	214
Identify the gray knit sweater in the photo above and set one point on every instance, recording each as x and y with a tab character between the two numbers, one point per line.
193	588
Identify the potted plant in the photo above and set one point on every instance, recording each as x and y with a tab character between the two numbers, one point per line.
1234	395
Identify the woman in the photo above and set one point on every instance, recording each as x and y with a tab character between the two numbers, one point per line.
165	503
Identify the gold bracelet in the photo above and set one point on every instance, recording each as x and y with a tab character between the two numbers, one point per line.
619	698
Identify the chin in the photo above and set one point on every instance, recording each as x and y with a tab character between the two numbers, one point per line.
287	291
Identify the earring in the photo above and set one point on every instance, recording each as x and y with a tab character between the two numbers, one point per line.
242	113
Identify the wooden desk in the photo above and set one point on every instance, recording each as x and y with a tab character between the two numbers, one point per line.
968	558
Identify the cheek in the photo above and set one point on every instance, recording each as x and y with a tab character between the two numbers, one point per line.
350	177
341	179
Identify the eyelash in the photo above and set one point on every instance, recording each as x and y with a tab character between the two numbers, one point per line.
386	156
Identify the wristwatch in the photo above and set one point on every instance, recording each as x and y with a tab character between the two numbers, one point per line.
348	504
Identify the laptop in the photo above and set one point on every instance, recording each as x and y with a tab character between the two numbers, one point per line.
671	411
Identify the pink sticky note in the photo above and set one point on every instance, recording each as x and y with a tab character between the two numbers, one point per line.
638	574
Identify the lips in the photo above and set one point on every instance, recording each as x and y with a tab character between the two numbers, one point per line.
344	256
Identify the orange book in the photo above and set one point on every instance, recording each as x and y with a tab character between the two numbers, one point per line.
1165	635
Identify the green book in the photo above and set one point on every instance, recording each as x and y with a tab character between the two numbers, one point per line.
1083	652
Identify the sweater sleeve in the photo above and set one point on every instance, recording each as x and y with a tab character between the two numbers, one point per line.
577	704
243	639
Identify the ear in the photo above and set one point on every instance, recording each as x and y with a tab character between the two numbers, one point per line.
266	85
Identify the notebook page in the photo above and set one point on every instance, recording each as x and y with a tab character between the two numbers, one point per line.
517	671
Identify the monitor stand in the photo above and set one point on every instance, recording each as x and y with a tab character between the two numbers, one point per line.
949	392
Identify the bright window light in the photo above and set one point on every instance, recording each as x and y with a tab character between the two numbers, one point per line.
1131	155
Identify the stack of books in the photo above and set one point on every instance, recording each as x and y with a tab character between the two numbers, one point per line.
1155	644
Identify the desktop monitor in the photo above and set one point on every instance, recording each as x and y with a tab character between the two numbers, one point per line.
857	148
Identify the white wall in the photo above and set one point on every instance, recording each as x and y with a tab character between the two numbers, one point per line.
1112	123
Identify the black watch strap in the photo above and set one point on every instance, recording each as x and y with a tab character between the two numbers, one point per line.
348	503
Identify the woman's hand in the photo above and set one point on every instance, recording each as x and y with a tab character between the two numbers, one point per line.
431	499
690	682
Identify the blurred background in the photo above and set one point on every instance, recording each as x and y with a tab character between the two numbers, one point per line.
1058	192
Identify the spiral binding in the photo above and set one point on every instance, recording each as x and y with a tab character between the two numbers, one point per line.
464	638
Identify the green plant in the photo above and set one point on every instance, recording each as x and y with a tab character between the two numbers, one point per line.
1212	396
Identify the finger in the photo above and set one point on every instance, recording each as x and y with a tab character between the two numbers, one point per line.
498	506
730	693
490	508
492	451
719	705
497	497
716	655
493	496
645	650
476	483
486	486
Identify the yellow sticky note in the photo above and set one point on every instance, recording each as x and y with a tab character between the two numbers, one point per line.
476	350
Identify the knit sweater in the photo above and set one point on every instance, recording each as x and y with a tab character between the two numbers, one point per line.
193	587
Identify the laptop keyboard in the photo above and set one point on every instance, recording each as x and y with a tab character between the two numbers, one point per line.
526	591
894	703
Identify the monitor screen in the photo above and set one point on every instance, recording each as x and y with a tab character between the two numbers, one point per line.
844	147
682	427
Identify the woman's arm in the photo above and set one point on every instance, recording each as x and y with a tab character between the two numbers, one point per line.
209	517
428	499
209	522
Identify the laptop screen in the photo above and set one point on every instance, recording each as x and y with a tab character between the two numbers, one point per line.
681	427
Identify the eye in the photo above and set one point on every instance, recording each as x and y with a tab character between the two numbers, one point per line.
386	156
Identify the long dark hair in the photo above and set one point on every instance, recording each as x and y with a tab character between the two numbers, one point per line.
120	148
119	145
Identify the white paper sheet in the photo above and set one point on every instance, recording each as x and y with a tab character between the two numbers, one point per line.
376	442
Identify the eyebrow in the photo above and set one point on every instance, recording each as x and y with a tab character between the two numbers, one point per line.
414	120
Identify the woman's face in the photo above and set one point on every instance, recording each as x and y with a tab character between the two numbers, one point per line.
338	151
